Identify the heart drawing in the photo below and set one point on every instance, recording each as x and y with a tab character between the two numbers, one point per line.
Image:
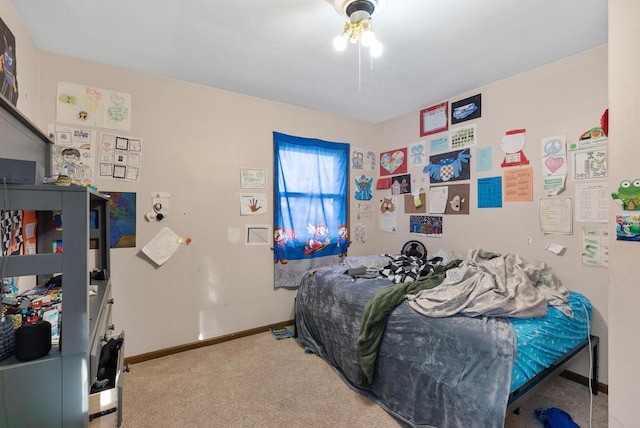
392	161
554	164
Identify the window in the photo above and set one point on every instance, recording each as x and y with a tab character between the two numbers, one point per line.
310	205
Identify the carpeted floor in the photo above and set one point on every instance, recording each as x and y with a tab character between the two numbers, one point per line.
258	381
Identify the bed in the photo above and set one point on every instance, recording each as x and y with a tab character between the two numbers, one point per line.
429	362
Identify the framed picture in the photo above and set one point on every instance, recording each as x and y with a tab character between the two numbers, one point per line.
434	119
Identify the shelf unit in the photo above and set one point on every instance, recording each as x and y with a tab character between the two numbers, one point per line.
54	391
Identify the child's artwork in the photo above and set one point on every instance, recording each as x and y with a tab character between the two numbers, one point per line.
418	154
490	192
457	199
430	226
590	164
363	188
357	158
593	137
628	227
389	214
450	166
462	137
393	162
466	109
120	157
401	184
554	164
89	106
512	144
73	155
122	219
628	195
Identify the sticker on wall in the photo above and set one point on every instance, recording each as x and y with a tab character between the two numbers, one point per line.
512	144
401	184
417	152
628	195
554	164
393	162
466	109
363	188
450	166
628	227
593	137
430	226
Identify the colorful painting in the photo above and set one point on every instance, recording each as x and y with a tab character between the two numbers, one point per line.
122	225
393	162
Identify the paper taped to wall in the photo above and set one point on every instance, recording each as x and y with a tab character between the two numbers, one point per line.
162	246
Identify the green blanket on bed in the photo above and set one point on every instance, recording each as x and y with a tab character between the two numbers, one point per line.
377	309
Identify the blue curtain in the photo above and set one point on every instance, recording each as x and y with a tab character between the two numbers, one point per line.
310	205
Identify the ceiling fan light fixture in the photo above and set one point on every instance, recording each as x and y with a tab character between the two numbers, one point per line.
359	28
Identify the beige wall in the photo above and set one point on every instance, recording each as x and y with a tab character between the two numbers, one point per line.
624	289
566	97
195	140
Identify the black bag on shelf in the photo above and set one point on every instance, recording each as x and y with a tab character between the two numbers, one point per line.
7	340
107	366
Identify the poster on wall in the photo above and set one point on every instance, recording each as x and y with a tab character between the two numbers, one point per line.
430	226
393	162
363	190
401	184
73	154
357	158
554	164
490	192
595	246
120	157
122	218
464	136
451	166
389	214
434	119
418	155
628	227
466	109
590	164
89	106
9	64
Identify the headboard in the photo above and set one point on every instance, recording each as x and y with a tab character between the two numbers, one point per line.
21	139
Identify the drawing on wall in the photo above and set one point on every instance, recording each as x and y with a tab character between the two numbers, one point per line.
512	144
120	157
430	226
554	164
364	210
253	203
595	246
122	219
450	166
628	227
417	153
466	109
518	185
458	199
434	119
464	136
9	64
370	161
401	184
363	188
393	162
357	158
628	195
73	154
594	137
359	234
90	106
389	214
590	164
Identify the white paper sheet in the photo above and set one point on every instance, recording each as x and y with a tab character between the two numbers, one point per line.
162	246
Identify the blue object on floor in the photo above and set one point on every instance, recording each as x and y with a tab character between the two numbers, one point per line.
555	418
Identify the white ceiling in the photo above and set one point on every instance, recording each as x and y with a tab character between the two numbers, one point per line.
282	49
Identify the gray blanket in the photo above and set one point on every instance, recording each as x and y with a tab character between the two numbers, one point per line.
430	372
490	284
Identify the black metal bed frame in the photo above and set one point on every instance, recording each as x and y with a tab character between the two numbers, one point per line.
517	397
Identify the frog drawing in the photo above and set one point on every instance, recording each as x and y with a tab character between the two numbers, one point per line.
629	194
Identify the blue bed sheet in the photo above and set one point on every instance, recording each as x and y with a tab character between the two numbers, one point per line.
541	341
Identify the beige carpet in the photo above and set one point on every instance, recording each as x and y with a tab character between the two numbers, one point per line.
258	381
